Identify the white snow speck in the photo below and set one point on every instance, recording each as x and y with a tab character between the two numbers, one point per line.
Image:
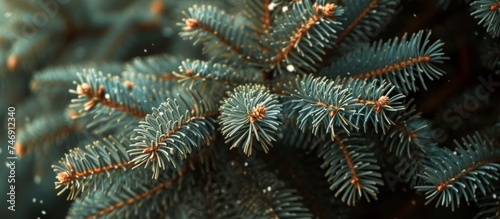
37	179
271	6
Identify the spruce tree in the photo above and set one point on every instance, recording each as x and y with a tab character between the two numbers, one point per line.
253	109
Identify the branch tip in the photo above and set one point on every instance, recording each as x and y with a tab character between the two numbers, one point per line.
12	62
191	24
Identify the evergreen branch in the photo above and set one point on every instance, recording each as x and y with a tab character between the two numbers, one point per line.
50	129
314	28
410	143
219	197
218	204
203	24
409	132
29	54
310	182
491	56
263	195
294	137
200	71
127	202
173	130
361	178
150	90
144	195
408	168
85	170
377	102
488	14
321	103
259	14
489	205
456	175
141	197
363	17
249	113
160	65
57	80
400	62
125	100
96	89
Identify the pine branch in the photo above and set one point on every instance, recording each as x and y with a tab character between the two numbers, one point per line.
250	113
45	132
96	89
150	90
263	195
292	136
258	13
25	55
320	103
160	65
140	197
490	56
408	169
378	103
125	100
323	104
363	18
313	28
305	174
259	16
409	132
56	81
489	205
93	168
400	62
453	176
410	144
129	202
209	25
214	193
196	71
487	12
361	177
174	129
